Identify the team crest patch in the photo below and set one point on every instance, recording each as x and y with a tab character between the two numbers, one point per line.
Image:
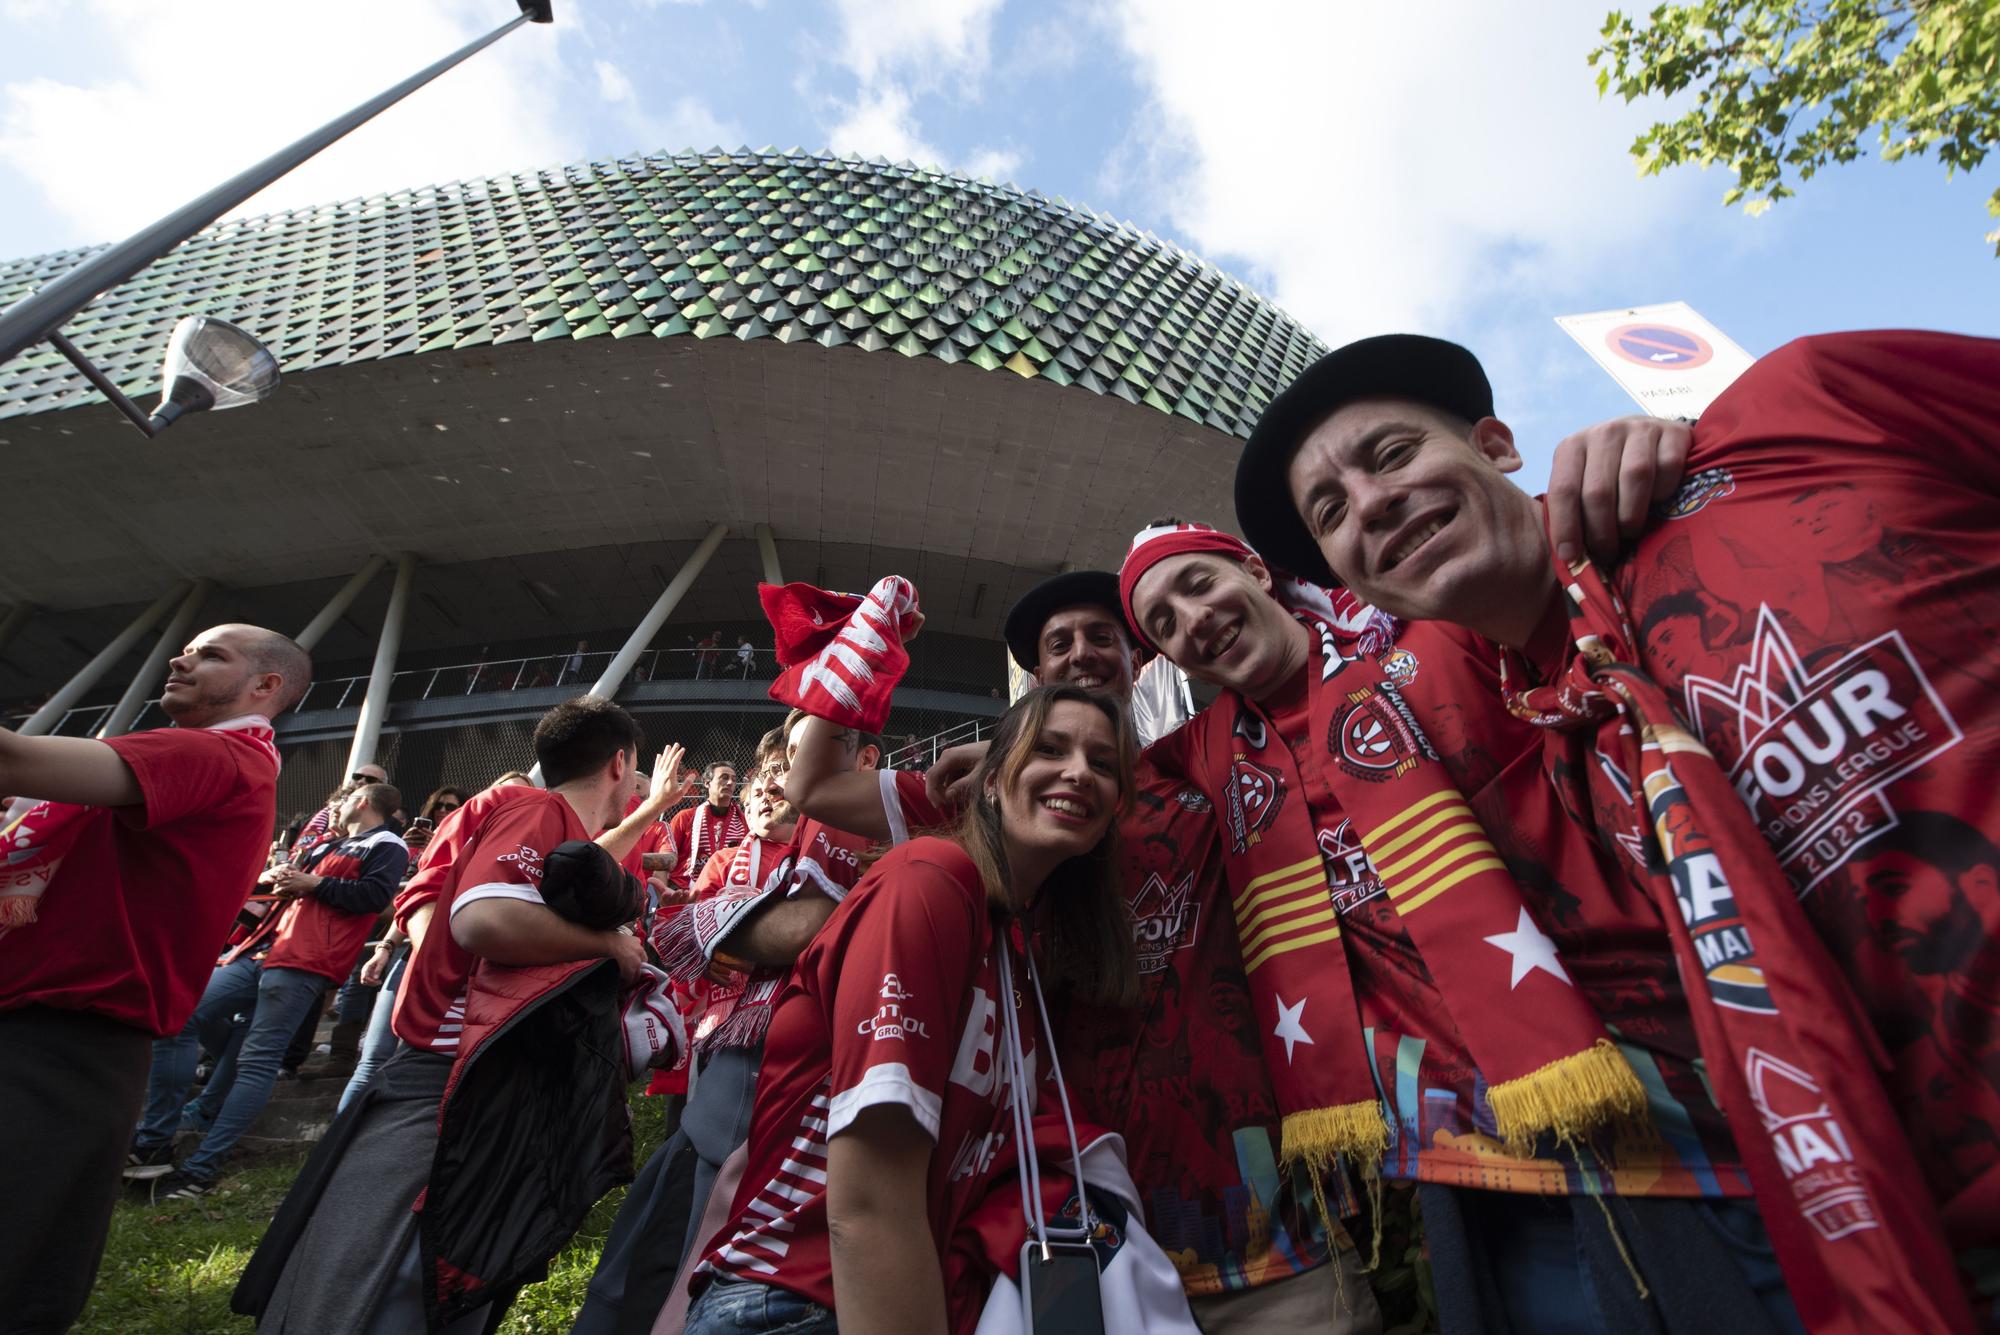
1710	484
1400	666
1255	794
1373	735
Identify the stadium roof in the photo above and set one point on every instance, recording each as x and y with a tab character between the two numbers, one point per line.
859	354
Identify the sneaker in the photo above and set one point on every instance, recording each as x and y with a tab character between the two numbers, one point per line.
147	1162
179	1186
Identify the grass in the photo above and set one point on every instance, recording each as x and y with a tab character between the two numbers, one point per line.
169	1268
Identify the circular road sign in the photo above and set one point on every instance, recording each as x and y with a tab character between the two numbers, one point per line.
1663	347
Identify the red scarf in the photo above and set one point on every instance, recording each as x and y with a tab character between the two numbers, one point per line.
1492	962
842	655
1785	1043
36	841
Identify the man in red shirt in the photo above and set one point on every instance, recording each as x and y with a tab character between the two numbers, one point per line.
344	1252
335	893
120	888
695	834
1816	605
1472	946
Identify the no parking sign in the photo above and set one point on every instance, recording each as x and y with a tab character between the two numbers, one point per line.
1667	357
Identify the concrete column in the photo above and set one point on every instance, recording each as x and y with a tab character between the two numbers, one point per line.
375	705
172	640
656	617
767	547
337	605
17	617
107	658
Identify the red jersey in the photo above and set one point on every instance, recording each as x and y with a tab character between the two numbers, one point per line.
134	916
1822	600
1182	1077
1609	934
896	1001
698	834
490	848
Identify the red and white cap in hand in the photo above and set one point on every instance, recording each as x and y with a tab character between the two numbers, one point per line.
655	1035
842	655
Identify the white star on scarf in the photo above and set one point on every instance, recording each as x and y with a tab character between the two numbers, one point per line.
1530	949
1289	1027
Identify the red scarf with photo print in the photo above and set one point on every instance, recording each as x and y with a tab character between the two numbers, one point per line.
1786	1045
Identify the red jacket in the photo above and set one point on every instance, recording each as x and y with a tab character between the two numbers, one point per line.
323	932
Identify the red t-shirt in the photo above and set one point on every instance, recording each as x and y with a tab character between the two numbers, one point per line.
131	923
697	834
894	1002
1182	1077
1822	601
490	848
1609	933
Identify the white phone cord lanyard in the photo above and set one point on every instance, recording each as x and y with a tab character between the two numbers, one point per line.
1020	1098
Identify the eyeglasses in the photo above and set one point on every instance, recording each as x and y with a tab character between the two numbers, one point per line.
443	807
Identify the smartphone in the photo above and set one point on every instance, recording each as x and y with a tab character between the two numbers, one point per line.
423	823
1059	1289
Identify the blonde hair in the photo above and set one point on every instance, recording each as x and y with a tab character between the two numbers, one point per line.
1087	932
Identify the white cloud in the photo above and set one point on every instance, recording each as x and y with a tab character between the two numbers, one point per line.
1393	167
924	42
994	164
181	105
899	51
612	85
880	124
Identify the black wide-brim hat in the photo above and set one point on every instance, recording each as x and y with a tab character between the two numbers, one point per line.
1072	588
1388	366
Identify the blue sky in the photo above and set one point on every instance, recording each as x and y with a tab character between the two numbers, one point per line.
1444	167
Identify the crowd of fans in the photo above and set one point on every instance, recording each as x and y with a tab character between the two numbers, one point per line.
1613	872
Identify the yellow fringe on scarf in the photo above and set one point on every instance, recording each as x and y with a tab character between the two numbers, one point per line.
1315	1135
1571	1097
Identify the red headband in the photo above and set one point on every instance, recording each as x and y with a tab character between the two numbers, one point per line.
1155	545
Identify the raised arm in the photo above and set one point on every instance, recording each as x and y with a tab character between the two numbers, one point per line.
66	769
820	784
669	786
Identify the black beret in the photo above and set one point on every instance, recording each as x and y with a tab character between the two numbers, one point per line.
1388	366
1072	588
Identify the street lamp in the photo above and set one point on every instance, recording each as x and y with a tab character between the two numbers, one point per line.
209	363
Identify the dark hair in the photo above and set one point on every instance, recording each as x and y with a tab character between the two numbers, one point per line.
578	737
770	744
708	772
1088	934
383	797
429	809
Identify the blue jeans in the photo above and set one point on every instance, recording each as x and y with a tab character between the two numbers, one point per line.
380	1040
749	1308
283	998
231	990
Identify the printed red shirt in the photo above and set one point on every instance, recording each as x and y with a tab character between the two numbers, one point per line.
1182	1077
1608	932
1822	601
490	848
894	1002
133	919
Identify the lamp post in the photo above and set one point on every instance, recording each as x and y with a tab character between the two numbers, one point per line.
210	345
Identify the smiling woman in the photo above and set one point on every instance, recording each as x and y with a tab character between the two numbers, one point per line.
883	1105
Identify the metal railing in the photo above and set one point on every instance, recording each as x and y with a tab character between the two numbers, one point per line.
924	754
485	677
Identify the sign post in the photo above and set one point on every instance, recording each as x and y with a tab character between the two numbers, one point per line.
1667	357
